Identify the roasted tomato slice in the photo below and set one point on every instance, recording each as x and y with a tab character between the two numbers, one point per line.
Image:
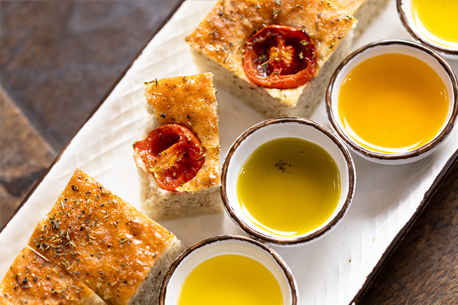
280	57
172	153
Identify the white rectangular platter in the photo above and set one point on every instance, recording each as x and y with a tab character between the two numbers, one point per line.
331	270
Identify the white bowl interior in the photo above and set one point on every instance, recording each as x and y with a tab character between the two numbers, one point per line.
421	31
385	49
280	130
221	247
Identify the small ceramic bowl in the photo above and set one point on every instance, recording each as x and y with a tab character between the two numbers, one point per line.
273	129
221	245
428	56
420	33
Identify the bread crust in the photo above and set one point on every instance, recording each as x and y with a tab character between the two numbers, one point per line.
350	6
31	279
363	10
221	36
190	101
100	239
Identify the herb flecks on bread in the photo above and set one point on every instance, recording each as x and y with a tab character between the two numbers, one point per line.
222	35
188	101
363	10
31	279
105	242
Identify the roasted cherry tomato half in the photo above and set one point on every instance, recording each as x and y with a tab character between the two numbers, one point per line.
172	153
280	57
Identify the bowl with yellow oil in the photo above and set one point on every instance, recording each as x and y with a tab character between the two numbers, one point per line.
287	181
432	22
227	270
393	101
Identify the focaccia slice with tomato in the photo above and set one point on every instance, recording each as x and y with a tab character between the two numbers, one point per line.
220	41
178	156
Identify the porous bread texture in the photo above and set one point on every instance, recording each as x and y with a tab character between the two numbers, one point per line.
32	279
148	291
106	243
259	98
160	204
221	38
191	103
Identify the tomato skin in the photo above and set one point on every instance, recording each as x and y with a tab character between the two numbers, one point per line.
172	153
280	57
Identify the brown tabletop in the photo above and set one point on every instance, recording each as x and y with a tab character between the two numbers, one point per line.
60	58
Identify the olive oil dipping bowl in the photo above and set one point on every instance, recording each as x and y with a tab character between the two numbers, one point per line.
287	181
393	101
432	23
229	269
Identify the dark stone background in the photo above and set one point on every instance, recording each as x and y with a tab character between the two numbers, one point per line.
58	60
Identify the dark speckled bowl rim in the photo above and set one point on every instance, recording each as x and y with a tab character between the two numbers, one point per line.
282	264
400	156
416	36
307	237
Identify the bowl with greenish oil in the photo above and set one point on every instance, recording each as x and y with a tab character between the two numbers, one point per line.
288	181
226	270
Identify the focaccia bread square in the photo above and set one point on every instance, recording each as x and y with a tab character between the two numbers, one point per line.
33	280
188	101
106	243
220	38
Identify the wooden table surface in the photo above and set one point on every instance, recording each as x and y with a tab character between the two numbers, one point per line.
59	59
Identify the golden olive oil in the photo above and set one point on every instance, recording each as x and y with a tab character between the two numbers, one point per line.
393	103
230	279
438	17
289	186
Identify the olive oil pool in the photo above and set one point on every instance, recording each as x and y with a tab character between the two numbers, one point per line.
289	186
230	279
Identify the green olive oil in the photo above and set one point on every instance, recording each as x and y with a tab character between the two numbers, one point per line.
289	186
